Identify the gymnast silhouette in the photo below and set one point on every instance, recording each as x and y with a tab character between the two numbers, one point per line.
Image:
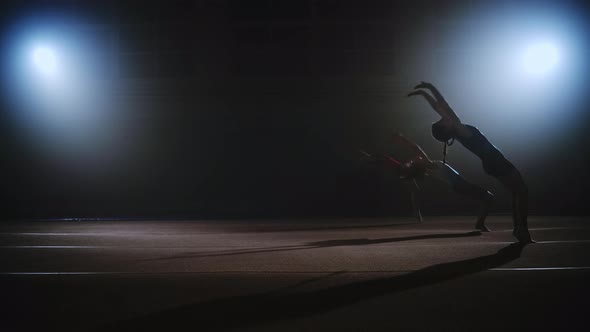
450	127
420	166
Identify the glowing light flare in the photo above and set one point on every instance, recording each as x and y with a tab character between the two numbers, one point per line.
540	58
45	60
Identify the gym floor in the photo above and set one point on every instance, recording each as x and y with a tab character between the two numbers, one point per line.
294	275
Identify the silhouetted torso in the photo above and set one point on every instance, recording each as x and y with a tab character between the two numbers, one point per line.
494	162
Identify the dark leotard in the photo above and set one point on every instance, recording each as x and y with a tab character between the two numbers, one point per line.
494	162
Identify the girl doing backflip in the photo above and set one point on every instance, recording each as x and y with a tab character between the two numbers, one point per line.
450	127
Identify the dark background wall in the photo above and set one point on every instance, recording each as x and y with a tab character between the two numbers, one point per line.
257	108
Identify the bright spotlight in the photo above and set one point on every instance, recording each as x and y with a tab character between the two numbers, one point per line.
540	58
45	60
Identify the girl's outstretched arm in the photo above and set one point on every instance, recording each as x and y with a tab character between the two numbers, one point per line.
439	104
433	103
441	107
427	85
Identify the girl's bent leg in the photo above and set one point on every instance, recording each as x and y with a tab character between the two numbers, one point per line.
514	182
461	186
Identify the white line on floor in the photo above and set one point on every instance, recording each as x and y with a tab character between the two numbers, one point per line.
213	232
300	246
125	247
283	272
540	268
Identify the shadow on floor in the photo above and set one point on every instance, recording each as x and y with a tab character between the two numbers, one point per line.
280	228
361	242
316	245
252	310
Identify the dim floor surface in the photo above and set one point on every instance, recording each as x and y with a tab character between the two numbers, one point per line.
384	274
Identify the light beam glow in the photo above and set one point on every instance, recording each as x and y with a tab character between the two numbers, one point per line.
540	58
59	89
517	72
45	60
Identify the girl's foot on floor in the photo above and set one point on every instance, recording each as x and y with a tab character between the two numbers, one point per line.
482	227
524	237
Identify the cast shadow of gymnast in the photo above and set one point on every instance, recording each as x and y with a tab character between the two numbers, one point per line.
316	245
255	309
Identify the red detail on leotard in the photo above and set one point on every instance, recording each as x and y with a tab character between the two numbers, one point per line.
391	159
